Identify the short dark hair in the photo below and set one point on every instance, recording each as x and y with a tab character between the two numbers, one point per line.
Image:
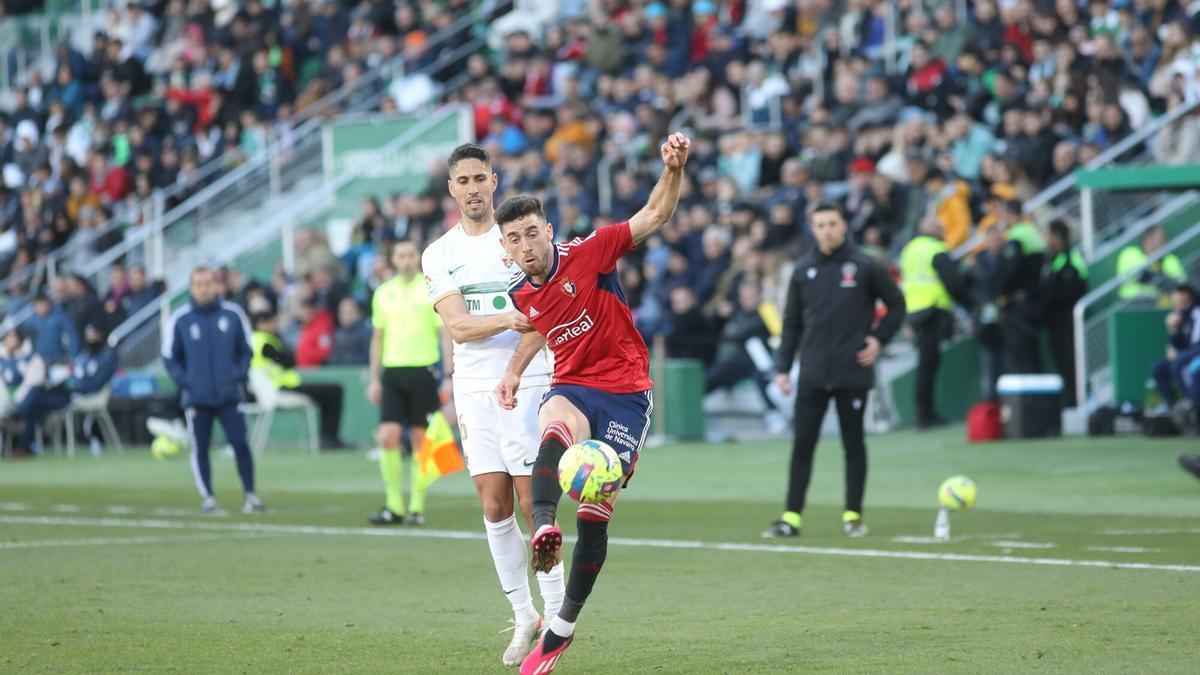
468	151
1059	228
829	206
1187	288
517	208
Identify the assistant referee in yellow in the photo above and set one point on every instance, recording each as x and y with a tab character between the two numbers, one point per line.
406	346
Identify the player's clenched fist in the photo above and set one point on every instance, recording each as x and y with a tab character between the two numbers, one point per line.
675	151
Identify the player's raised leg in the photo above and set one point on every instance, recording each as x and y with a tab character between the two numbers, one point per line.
561	423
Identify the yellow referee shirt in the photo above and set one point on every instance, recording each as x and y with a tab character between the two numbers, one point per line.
410	326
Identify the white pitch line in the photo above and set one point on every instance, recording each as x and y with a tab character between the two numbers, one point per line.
1037	545
117	541
1123	549
619	541
1135	533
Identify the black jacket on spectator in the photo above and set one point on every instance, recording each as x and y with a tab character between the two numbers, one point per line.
830	312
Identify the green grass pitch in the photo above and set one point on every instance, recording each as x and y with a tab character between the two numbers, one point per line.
107	566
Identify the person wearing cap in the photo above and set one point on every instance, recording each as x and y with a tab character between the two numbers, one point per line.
1065	281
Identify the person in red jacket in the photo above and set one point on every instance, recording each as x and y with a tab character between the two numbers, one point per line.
316	335
112	183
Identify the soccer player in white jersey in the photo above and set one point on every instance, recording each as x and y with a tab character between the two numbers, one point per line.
467	273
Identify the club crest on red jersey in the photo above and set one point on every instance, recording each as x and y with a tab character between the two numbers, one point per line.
568	287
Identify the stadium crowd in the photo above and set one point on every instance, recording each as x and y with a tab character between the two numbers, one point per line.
171	93
953	123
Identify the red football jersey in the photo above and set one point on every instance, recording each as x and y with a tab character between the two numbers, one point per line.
583	313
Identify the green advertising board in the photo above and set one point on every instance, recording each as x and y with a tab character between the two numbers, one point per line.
351	142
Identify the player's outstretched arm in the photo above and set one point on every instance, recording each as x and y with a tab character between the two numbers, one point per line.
506	392
466	327
665	196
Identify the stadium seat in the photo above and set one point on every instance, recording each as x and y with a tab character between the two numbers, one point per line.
64	420
267	400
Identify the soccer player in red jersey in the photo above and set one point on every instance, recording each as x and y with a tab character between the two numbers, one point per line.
601	384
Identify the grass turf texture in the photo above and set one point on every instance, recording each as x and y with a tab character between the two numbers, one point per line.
133	584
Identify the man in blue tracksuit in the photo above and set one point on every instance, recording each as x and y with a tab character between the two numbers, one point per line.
207	351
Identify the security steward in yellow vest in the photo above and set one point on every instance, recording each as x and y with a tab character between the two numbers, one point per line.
928	275
1064	282
1154	281
273	359
1021	294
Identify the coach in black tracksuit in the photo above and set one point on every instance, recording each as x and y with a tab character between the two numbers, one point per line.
830	316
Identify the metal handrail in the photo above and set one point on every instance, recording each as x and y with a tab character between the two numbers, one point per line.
274	223
1066	183
305	121
1078	313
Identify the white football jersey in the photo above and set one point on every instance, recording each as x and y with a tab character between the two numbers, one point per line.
478	269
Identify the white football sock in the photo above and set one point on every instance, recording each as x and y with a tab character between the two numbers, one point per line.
508	553
553	589
562	628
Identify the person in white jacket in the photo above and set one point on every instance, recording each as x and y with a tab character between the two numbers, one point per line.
24	395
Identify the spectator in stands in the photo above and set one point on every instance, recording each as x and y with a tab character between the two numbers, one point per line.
53	334
328	289
743	330
315	341
1183	348
1148	280
689	335
352	339
82	306
140	293
114	299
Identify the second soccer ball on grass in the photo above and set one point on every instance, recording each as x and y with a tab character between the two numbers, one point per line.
590	472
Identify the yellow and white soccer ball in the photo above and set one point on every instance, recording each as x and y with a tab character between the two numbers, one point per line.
164	447
957	493
590	472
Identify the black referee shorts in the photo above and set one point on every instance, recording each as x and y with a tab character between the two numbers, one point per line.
410	395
